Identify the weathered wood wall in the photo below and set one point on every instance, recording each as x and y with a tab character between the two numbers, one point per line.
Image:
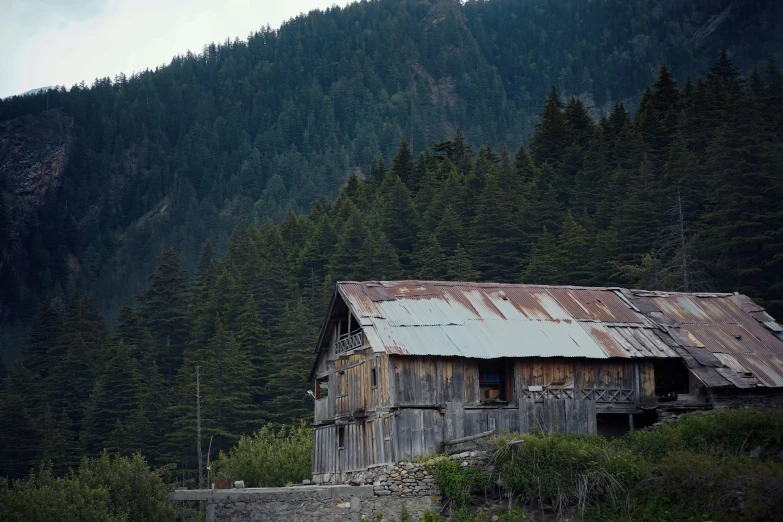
418	402
441	380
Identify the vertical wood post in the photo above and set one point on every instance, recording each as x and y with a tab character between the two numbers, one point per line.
198	427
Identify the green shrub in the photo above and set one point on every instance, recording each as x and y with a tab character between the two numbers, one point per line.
691	470
270	457
725	488
457	482
105	489
569	471
726	432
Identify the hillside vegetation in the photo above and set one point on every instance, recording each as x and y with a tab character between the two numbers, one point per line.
686	195
720	466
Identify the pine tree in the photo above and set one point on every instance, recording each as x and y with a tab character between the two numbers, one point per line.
397	216
430	259
377	171
19	431
550	139
164	309
84	345
498	233
379	258
347	263
461	154
254	340
744	201
578	122
134	336
541	270
459	266
113	399
402	164
292	354
41	349
449	232
572	252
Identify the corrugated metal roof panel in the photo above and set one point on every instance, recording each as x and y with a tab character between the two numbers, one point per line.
489	320
611	346
597	305
644	342
768	370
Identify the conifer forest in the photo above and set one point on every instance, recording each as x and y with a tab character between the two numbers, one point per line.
207	207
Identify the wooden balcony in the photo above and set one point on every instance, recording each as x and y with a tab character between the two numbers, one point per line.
349	342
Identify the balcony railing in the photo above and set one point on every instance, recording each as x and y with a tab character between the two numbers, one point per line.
590	394
350	342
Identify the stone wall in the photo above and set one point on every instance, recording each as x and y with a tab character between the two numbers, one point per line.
411	479
380	490
305	504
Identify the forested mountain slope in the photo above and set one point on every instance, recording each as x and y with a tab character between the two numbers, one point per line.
251	129
686	195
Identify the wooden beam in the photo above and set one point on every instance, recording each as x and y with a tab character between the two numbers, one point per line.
469	438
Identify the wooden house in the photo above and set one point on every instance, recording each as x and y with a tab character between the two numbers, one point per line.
403	367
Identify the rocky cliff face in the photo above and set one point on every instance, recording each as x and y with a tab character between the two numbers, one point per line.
34	150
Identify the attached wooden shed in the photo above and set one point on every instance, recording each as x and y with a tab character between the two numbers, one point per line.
404	366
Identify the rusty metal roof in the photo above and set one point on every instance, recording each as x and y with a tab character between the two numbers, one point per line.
486	320
726	338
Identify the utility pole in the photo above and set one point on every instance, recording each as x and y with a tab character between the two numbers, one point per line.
198	427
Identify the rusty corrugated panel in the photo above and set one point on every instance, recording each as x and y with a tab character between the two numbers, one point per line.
597	305
376	292
703	356
739	379
642	303
641	342
610	345
710	377
745	303
358	300
769	370
681	308
730	361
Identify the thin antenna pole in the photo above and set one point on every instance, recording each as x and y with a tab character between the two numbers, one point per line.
198	427
209	467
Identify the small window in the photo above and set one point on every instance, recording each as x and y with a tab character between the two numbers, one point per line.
491	382
374	378
341	437
322	388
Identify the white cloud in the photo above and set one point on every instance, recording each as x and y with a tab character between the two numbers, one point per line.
62	42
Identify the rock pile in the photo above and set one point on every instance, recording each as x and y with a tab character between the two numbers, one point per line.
411	479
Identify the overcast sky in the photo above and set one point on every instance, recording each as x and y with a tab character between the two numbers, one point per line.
62	42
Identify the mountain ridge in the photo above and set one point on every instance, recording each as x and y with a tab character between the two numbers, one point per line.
251	129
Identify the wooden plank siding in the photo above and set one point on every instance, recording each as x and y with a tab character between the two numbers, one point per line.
420	401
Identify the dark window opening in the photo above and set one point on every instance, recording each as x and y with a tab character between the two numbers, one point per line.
492	385
671	379
645	419
612	425
374	378
340	437
322	388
